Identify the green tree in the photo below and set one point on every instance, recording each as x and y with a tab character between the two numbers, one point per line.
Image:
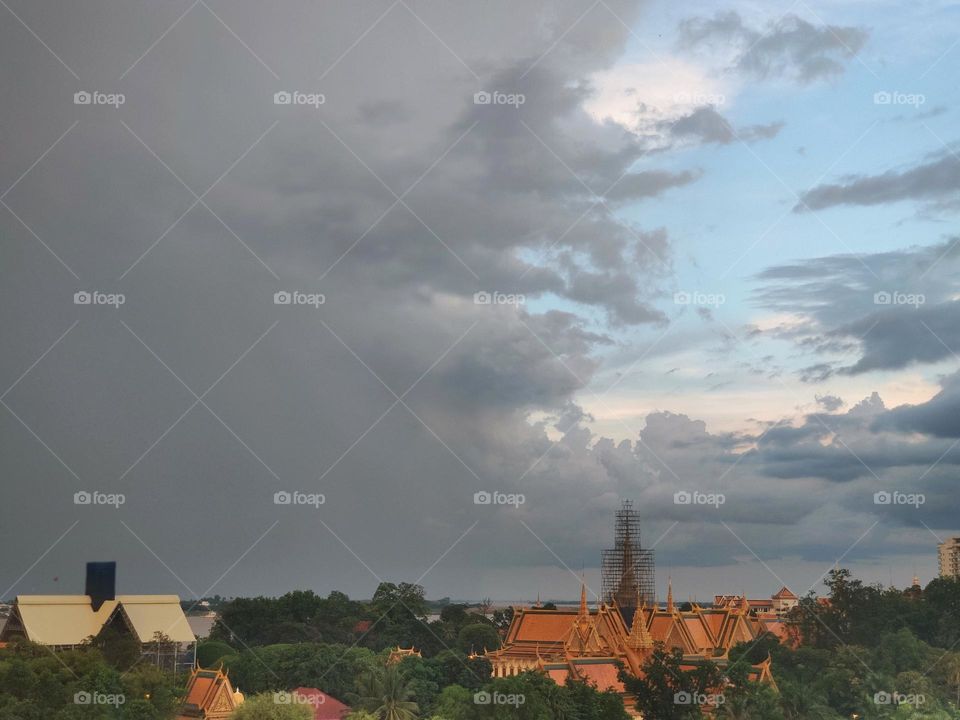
454	703
385	692
502	619
331	668
209	652
399	602
668	692
456	614
747	700
478	637
119	647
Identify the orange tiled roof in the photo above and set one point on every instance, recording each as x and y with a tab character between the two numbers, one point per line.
603	675
698	632
784	594
544	626
209	695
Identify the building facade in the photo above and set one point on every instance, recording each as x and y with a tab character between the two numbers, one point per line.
949	552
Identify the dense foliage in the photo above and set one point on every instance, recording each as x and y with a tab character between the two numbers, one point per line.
36	684
395	616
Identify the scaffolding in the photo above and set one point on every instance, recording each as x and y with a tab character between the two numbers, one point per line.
627	569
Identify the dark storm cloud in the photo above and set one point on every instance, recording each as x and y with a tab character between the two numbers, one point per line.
896	339
935	181
398	198
888	310
789	47
939	416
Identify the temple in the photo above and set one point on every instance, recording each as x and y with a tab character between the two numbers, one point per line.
209	696
627	624
591	644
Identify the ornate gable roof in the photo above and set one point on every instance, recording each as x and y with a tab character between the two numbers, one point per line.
210	696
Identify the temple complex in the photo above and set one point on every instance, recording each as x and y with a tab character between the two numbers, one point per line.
590	644
627	624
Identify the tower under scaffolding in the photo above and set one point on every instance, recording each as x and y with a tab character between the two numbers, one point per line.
628	569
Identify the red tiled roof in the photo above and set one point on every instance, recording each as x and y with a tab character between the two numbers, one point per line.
325	707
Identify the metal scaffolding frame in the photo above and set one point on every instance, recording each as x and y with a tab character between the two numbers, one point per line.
627	569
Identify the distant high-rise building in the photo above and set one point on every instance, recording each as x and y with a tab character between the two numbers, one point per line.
950	557
628	569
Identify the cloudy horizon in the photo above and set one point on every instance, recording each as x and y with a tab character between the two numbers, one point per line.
286	287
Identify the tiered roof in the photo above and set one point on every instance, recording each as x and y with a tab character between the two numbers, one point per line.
590	644
209	696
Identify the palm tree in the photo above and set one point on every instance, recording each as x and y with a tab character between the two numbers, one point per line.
385	692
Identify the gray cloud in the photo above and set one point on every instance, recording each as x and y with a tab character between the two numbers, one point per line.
887	310
939	416
934	181
788	47
494	198
708	126
829	402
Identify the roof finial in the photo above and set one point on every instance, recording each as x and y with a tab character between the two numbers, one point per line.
669	594
583	599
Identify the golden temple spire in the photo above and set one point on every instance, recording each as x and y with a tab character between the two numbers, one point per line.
583	600
669	595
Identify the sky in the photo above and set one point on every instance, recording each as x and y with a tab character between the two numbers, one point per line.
301	295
